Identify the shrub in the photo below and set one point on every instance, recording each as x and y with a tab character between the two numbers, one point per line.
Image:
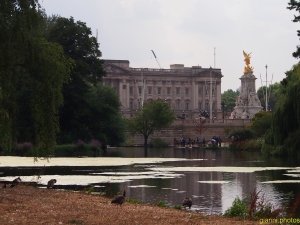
243	134
64	150
95	146
158	143
178	207
161	204
254	144
255	206
238	209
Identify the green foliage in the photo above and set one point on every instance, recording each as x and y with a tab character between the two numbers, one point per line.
273	91
178	207
239	208
32	73
132	200
253	207
285	131
229	98
162	204
260	123
91	189
253	144
158	143
295	4
243	134
153	116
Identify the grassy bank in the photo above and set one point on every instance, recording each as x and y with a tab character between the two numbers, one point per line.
30	205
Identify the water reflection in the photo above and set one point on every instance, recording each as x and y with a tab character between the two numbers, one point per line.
212	178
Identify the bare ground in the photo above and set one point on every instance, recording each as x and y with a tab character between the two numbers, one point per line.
29	205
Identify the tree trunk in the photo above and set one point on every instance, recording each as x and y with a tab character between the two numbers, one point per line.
145	140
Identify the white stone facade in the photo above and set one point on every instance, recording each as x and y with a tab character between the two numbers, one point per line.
247	103
186	89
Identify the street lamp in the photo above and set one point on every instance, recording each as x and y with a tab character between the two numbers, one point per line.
223	105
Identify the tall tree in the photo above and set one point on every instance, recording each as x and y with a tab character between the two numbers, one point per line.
286	117
26	56
106	122
229	98
153	116
78	44
295	4
273	92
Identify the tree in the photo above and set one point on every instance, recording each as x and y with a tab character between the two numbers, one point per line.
274	92
78	44
106	122
31	64
284	135
260	123
229	98
295	4
153	116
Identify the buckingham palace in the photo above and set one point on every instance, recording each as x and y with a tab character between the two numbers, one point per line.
186	89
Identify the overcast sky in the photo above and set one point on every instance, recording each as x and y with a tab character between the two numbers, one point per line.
187	32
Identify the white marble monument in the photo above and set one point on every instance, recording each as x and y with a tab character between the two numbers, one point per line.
247	103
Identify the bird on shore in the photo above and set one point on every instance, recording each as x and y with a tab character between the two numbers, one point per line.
51	183
15	182
187	202
120	199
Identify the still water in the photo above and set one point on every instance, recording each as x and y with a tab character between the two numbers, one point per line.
212	178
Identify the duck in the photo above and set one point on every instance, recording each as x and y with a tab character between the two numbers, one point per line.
120	199
187	202
51	183
15	182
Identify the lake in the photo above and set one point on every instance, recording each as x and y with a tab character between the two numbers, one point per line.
212	178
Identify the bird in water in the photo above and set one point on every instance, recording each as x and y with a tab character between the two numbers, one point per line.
120	199
51	183
15	182
187	202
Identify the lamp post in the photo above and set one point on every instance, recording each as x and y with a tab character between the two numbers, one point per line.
223	105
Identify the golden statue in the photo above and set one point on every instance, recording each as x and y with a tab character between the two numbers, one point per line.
247	68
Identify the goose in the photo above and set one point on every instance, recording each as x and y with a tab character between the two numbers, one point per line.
51	183
187	202
15	182
120	199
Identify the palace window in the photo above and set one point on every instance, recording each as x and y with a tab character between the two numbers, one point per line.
140	90
200	91
159	90
168	90
186	91
149	90
130	105
186	106
199	105
177	91
177	105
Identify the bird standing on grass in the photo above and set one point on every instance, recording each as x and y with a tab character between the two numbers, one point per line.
51	183
187	202
120	199
15	182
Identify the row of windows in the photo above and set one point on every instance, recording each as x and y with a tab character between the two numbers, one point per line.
168	91
177	106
